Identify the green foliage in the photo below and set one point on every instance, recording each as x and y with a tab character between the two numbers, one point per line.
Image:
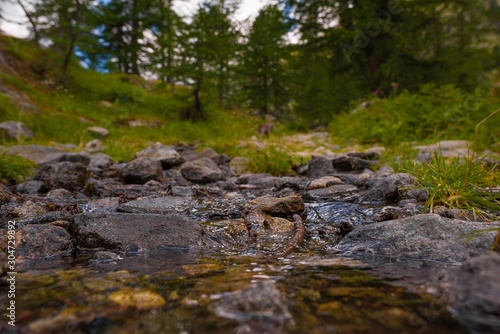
432	114
14	168
457	183
269	159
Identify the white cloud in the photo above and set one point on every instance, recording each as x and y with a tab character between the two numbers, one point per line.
14	13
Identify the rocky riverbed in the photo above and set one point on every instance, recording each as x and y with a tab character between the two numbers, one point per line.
181	241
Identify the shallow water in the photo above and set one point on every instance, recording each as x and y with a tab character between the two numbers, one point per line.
193	290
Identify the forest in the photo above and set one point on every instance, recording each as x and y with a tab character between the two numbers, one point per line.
308	59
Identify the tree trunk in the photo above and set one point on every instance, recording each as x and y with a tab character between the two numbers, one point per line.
32	22
134	43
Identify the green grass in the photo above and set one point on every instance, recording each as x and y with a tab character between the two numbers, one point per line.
430	115
269	159
14	168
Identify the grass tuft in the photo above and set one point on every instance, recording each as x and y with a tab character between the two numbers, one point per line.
14	168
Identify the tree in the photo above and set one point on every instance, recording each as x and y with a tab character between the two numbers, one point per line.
264	63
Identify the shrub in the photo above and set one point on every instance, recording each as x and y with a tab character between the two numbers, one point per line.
269	159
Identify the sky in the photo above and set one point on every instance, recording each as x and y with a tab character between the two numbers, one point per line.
13	12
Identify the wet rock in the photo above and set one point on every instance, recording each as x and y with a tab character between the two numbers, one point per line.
346	163
294	183
100	160
202	171
473	291
390	189
103	205
95	146
323	182
286	206
181	191
319	167
331	191
68	175
81	157
97	131
40	241
104	256
97	189
142	170
15	130
238	165
167	204
28	209
262	307
428	236
278	224
258	180
59	194
29	187
167	155
34	153
121	231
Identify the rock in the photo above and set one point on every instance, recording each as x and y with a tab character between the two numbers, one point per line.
97	189
331	191
160	205
258	180
119	231
40	241
239	165
98	131
319	167
428	237
34	153
181	191
100	160
105	104
142	170
278	224
59	194
167	155
346	163
68	175
447	148
286	206
103	205
390	188
223	160
28	209
202	171
81	157
293	183
15	130
262	307
207	153
29	187
323	182
473	291
95	146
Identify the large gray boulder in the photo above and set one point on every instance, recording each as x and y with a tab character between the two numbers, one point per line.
142	170
473	292
202	171
68	175
427	237
139	232
167	155
15	130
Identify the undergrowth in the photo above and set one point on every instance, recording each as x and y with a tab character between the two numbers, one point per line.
14	168
269	159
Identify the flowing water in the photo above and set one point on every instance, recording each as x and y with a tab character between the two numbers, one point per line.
231	290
